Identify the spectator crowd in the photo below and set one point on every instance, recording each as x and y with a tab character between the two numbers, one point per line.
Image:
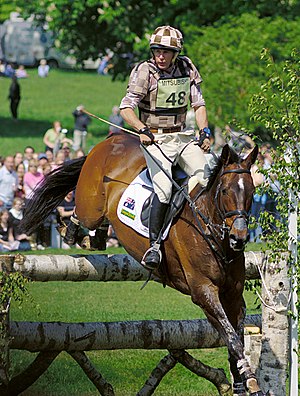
22	172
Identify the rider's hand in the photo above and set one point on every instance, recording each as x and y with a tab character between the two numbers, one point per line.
204	139
144	139
206	144
146	136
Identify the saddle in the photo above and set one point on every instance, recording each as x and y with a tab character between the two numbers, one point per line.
135	203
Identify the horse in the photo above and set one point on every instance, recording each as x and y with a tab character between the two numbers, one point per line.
203	254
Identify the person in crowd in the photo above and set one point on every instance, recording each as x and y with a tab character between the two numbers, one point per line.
31	179
8	182
43	69
2	68
259	201
20	170
21	72
59	159
18	158
65	211
42	161
79	153
271	203
9	71
67	150
15	217
6	236
116	119
55	137
14	96
82	121
162	102
28	156
50	157
104	66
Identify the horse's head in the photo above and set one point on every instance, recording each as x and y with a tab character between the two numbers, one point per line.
234	195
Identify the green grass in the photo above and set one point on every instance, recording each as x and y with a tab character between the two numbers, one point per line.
54	98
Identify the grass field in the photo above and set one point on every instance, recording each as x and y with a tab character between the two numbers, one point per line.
54	98
43	101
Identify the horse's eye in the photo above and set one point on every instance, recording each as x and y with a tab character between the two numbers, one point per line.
224	191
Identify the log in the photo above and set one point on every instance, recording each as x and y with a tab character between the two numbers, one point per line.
154	334
101	267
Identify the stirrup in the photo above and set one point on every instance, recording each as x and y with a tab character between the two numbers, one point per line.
152	257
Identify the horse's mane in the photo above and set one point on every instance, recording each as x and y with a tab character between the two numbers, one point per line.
234	157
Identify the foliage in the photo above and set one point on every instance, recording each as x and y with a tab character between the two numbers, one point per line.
277	107
228	58
13	285
6	7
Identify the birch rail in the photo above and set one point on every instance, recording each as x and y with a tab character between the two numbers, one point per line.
49	339
101	267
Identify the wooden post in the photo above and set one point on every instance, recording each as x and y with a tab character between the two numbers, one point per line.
6	266
273	365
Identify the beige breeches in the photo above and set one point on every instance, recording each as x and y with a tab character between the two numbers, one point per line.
171	149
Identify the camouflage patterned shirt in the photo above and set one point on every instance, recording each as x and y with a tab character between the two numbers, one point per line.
162	96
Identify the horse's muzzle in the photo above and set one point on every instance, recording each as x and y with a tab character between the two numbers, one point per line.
238	235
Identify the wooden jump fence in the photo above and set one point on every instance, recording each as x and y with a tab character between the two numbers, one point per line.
49	339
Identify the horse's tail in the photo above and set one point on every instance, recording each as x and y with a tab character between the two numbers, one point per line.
50	193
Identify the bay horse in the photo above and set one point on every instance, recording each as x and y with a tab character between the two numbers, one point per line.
203	254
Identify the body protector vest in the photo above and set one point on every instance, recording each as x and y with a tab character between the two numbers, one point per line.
166	102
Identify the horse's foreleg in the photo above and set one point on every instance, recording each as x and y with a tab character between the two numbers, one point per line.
207	297
238	385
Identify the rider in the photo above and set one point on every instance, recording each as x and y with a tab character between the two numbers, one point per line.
161	89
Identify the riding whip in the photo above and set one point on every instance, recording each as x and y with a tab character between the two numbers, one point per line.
110	123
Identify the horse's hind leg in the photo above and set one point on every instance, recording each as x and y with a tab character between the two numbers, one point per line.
207	297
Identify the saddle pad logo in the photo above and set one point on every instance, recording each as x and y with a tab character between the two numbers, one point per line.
129	203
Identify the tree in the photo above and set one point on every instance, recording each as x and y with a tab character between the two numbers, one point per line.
228	58
277	107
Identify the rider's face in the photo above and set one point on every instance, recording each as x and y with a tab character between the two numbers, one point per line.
163	58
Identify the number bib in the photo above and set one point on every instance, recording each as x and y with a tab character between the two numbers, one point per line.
173	92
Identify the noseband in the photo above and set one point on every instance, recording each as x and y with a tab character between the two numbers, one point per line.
239	213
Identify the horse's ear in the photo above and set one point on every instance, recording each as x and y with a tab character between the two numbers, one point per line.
228	155
251	157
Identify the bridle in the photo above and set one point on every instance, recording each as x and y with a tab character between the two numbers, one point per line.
215	233
237	212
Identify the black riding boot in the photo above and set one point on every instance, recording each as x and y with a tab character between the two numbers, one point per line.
72	231
152	257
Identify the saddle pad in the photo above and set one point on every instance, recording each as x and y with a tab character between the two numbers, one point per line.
132	201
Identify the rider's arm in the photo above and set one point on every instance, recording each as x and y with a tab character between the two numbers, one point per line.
202	122
131	118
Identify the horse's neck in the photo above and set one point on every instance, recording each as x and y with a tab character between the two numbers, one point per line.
206	203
